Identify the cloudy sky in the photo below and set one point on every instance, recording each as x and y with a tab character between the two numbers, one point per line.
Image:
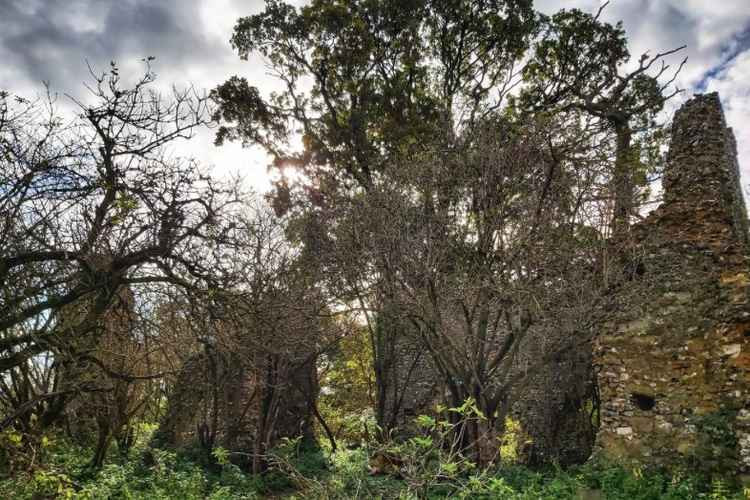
51	40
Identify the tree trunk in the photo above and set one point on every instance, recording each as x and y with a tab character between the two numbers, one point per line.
125	438
100	453
622	183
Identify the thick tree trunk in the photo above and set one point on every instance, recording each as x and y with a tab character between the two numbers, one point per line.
622	183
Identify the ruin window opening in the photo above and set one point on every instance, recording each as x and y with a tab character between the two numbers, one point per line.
643	401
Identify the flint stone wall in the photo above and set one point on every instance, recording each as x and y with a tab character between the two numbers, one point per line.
673	355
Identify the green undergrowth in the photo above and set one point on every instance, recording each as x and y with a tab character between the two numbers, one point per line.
348	477
147	473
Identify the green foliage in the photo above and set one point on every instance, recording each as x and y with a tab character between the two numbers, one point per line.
512	441
429	55
717	448
221	455
429	466
304	474
348	478
162	475
11	444
348	387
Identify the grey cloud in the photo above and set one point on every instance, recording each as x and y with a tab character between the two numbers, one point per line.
45	43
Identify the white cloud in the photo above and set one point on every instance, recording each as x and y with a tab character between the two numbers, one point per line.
733	85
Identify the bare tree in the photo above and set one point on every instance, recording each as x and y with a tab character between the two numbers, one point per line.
255	379
96	205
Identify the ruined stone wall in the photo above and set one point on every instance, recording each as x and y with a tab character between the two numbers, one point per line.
242	391
100	359
673	354
554	398
549	390
232	397
410	384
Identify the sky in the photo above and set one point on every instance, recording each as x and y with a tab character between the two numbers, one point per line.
53	40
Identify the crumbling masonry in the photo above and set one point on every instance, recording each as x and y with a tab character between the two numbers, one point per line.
673	356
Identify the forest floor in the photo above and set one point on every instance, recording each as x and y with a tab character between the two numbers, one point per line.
60	470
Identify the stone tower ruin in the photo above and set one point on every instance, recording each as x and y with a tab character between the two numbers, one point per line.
673	356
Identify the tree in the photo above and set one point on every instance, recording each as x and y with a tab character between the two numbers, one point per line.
484	246
92	207
432	204
254	381
580	63
365	80
366	83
